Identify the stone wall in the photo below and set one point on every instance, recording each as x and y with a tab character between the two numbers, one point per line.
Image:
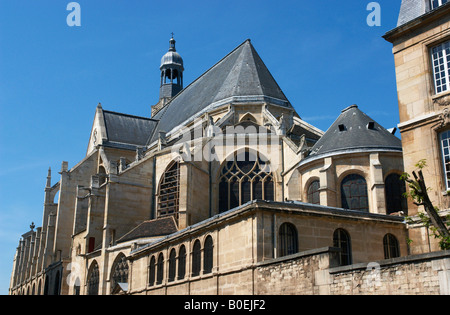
426	274
312	272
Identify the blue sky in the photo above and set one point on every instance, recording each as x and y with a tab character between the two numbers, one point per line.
323	55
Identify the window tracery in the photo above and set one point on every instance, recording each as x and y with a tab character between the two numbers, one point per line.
246	177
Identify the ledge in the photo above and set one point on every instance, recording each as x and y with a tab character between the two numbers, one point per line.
393	261
303	254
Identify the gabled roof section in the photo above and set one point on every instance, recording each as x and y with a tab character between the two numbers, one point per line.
240	76
355	131
127	129
153	228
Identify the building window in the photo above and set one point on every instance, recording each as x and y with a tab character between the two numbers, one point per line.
196	258
354	193
182	262
288	240
441	67
169	192
246	177
391	247
436	3
119	271
160	269
341	240
395	199
93	279
57	284
208	255
172	265
313	193
445	147
152	271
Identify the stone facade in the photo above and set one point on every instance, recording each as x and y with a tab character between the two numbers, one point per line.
225	190
423	111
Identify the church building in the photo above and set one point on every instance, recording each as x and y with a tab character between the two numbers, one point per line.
224	189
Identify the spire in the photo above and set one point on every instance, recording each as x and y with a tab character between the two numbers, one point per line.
49	178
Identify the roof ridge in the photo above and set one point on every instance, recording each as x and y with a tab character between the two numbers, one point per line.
128	115
255	55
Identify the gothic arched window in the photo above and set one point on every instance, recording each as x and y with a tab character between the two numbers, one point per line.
196	258
341	240
313	192
182	262
288	240
160	269
119	271
172	265
395	188
354	193
391	247
169	192
208	255
243	178
152	271
93	279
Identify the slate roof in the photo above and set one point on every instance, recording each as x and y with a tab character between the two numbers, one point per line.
128	129
153	228
354	130
409	10
412	9
239	76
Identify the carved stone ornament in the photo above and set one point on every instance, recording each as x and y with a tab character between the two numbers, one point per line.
445	118
95	137
442	101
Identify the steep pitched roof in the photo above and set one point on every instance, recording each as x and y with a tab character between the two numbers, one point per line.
153	228
354	130
127	129
240	76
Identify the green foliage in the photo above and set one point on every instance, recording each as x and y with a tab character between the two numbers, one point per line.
417	195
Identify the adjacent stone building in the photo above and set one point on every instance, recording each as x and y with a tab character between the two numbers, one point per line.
421	47
226	190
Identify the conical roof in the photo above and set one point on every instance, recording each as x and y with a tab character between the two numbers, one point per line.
240	76
354	131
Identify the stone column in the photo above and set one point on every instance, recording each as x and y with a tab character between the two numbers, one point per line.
377	192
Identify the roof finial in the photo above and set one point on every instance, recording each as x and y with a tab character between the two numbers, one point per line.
172	44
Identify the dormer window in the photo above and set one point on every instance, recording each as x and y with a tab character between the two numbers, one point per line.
436	3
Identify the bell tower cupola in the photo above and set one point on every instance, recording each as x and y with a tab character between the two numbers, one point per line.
171	72
171	76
